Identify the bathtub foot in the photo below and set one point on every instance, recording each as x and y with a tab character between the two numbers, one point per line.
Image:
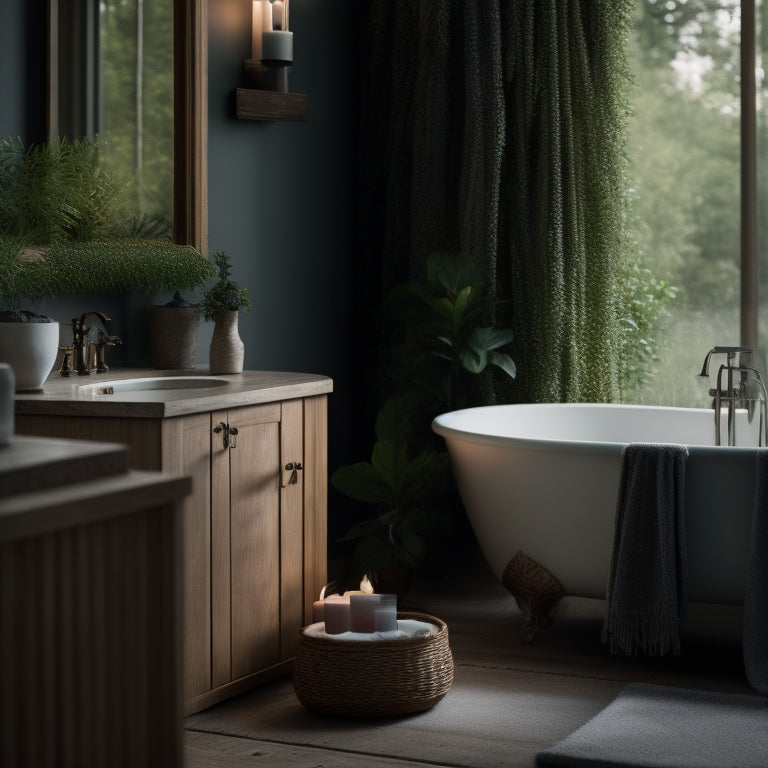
535	590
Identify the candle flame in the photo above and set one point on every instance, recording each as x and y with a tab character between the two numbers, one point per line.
366	586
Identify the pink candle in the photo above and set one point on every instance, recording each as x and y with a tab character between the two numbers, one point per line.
362	612
336	614
318	612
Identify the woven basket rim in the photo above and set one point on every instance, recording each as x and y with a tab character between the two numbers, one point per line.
398	642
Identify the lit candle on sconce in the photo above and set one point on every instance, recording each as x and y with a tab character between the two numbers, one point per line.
271	46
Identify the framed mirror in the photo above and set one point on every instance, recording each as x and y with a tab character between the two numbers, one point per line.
157	90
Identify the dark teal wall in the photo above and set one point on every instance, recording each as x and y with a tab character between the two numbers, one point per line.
281	195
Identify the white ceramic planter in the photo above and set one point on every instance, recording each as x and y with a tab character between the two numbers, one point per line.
30	349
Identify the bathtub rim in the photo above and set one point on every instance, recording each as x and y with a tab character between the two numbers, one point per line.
554	444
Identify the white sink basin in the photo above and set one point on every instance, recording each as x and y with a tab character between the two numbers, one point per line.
156	384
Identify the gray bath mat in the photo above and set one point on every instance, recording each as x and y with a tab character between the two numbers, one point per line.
661	727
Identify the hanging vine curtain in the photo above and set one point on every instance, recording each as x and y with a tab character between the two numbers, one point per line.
497	129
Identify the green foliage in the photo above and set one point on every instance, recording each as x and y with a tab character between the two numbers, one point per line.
61	231
141	145
225	294
56	192
566	222
404	486
447	340
118	265
644	302
448	337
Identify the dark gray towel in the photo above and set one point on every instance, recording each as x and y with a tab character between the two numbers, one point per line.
756	593
647	581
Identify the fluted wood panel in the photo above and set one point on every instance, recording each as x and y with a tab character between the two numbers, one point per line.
89	645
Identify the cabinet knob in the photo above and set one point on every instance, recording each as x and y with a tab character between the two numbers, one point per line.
294	467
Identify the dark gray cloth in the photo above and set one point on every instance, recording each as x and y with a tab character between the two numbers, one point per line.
654	725
647	581
756	592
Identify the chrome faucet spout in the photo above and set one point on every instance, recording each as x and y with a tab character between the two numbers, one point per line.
731	352
738	385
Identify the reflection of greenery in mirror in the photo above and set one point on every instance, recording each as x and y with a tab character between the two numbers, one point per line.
136	43
115	78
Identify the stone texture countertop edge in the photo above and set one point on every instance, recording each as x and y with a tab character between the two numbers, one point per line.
61	396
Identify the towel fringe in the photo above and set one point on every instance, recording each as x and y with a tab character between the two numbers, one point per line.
654	633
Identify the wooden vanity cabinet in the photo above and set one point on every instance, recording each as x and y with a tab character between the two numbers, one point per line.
254	538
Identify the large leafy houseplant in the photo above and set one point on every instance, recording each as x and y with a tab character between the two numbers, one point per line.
447	339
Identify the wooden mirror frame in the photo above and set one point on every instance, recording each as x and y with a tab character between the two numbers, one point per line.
190	115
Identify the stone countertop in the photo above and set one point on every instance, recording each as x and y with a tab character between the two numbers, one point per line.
62	396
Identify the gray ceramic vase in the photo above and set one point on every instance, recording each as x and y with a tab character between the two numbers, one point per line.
227	350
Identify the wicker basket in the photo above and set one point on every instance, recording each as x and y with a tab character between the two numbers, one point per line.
374	678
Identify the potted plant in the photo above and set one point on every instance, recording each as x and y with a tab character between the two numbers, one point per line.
404	487
61	232
447	341
222	304
29	341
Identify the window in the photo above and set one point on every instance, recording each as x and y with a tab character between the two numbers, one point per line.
694	183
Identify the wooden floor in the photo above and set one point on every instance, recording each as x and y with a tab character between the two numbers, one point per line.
509	700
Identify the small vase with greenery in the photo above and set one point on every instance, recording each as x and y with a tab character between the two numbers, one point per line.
222	304
447	341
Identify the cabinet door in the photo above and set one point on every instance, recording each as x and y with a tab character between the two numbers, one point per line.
186	451
254	473
291	526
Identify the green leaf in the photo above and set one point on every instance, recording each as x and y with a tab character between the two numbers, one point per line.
383	460
373	553
393	421
460	305
438	304
371	527
452	271
473	355
505	362
361	482
492	338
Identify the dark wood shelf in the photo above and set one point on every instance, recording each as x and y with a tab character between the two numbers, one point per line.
271	105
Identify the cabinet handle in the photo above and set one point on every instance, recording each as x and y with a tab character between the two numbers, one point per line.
228	434
294	468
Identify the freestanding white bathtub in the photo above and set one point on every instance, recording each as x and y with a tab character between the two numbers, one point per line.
544	478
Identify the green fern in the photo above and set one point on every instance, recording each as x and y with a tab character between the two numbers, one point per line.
61	231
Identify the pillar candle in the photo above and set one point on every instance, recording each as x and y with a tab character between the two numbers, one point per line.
276	46
386	614
318	611
336	614
362	612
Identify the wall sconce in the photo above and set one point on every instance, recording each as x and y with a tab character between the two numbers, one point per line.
271	48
